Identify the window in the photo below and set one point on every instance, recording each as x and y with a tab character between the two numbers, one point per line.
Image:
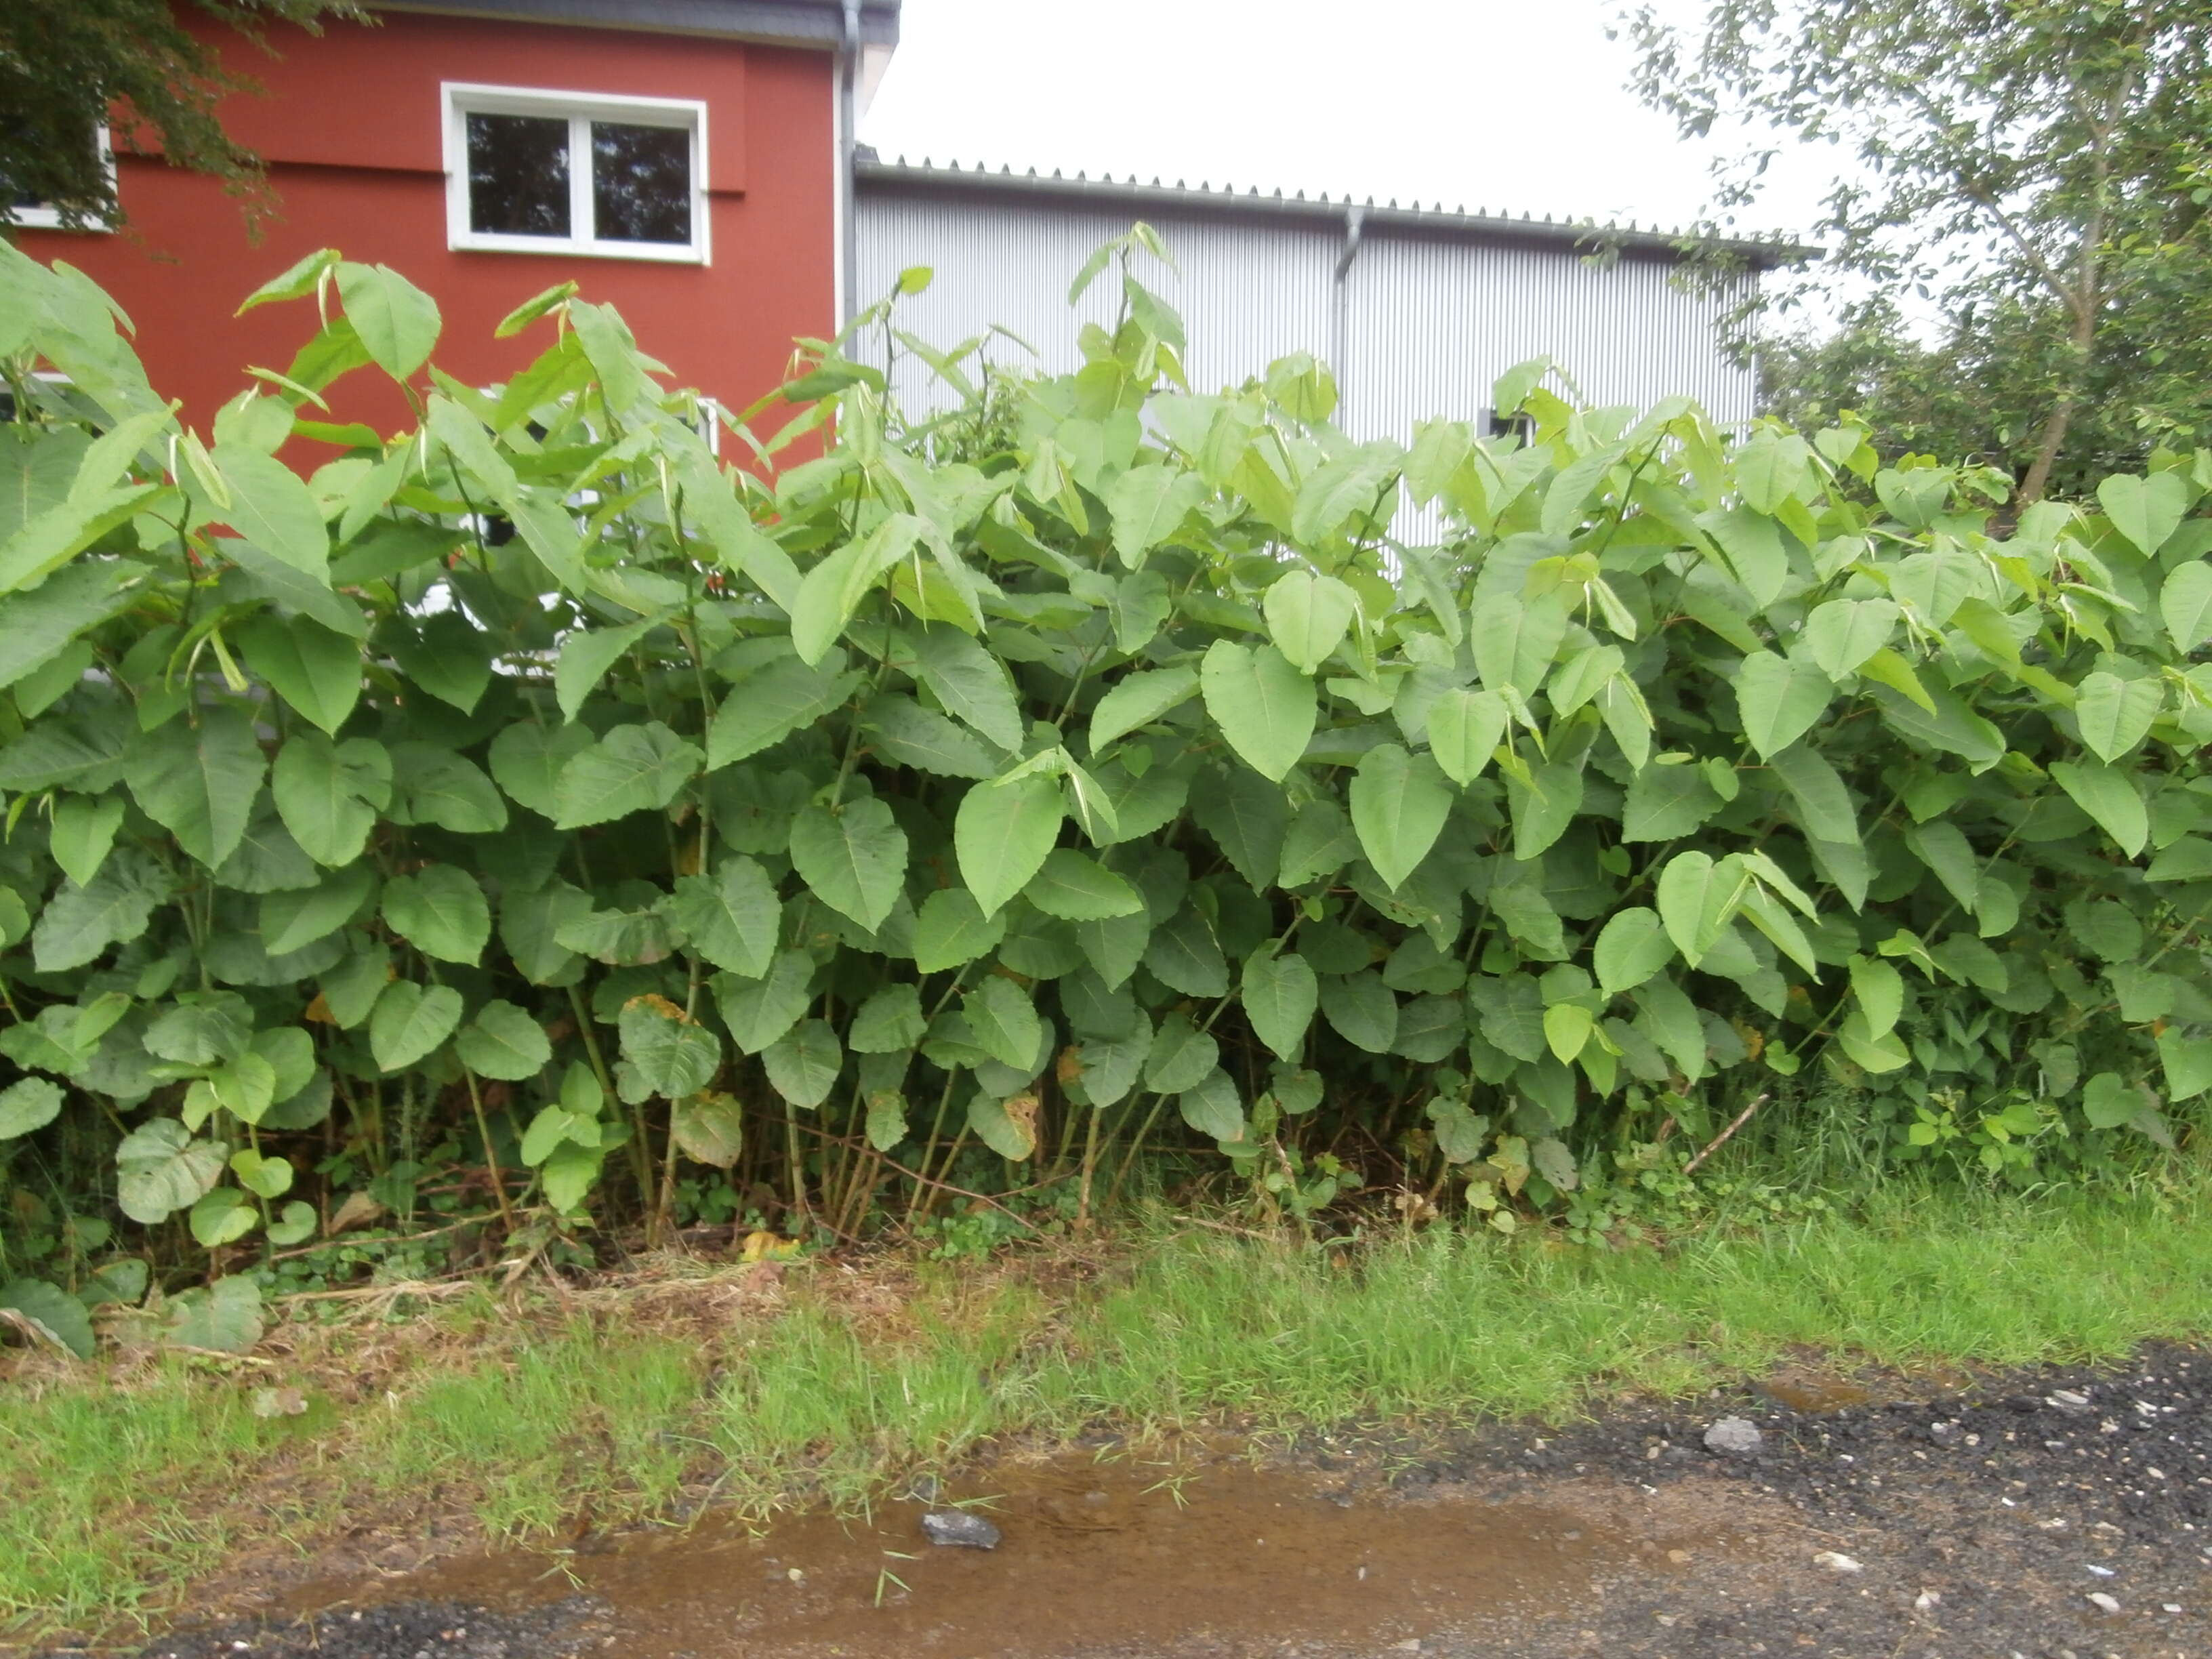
34	214
534	172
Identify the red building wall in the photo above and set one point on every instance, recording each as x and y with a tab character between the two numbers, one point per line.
352	129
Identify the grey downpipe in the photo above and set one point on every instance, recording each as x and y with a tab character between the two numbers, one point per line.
1341	304
849	103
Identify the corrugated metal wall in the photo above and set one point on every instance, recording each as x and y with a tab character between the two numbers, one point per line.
1431	321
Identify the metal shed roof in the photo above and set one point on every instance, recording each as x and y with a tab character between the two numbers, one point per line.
1455	223
818	23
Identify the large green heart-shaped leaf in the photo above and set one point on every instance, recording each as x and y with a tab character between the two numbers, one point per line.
803	1066
732	918
951	929
1136	700
2115	715
1778	699
1399	805
1279	996
397	321
316	672
1464	728
161	1169
853	858
1843	633
503	1041
199	783
1308	616
1632	947
329	794
634	769
664	1052
1001	834
410	1021
1264	706
2147	511
441	911
2184	604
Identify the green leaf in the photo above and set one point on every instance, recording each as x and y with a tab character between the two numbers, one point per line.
1567	1028
890	1021
803	1066
853	860
294	919
27	1105
329	794
1146	504
1185	955
586	656
2107	794
1001	834
264	1177
1880	989
1009	1133
296	1224
1308	616
316	672
203	1028
904	733
63	1319
225	1318
2187	1061
1180	1057
1399	805
441	911
161	1169
2184	602
1076	887
970	684
446	656
1697	899
1361	1009
952	929
1136	700
1543	807
2109	1101
396	320
1003	1020
1945	850
526	758
410	1021
83	831
1843	633
772	704
710	1129
1464	730
1632	947
2147	511
1279	996
436	785
503	1041
2115	715
758	1012
1212	1107
1665	803
1265	706
1823	804
274	511
664	1052
733	918
199	784
1514	642
1779	698
634	769
1247	818
116	906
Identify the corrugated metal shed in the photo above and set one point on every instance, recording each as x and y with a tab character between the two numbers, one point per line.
1429	308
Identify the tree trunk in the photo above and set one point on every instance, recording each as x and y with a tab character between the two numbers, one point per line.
2062	412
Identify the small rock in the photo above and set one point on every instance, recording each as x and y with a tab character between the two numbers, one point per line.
2171	1607
1928	1601
2102	1602
1733	1434
1945	1433
1837	1561
2102	1573
1410	1645
957	1529
2067	1401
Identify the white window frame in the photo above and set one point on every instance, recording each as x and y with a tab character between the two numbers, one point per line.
462	99
49	218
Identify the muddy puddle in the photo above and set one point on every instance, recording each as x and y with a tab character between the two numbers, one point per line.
1096	1554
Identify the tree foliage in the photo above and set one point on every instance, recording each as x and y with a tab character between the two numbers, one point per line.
1082	767
67	67
2040	166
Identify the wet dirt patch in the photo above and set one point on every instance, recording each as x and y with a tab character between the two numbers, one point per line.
1104	1553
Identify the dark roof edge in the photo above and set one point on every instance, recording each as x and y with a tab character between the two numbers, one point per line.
1761	253
819	24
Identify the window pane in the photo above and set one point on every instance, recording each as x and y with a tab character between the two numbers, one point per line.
518	174
641	182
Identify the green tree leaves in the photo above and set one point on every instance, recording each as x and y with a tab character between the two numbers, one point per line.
441	911
199	782
853	860
1399	805
1001	834
1264	706
634	769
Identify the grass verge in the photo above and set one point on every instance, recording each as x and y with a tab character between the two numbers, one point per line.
634	1401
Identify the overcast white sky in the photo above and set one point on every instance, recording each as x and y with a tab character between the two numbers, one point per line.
1514	103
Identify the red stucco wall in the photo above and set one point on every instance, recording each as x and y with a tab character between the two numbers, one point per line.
351	128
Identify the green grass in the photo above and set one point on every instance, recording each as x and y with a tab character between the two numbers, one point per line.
121	1494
